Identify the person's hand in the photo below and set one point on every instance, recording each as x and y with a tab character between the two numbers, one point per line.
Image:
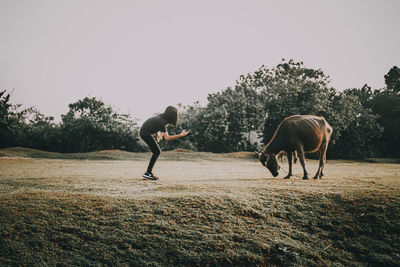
184	133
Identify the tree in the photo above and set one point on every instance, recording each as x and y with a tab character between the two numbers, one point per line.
41	132
213	121
6	120
91	125
11	121
392	80
358	125
386	105
230	117
288	89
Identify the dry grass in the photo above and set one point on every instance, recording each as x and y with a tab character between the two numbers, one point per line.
205	210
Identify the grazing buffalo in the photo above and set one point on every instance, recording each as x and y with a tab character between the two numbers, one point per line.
300	133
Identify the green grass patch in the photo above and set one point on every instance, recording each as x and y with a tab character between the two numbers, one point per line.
288	229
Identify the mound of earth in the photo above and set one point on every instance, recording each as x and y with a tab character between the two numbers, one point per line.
176	154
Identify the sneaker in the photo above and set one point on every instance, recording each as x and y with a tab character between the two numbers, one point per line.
150	176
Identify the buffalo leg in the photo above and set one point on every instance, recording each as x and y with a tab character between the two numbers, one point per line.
294	157
322	159
325	148
300	154
323	165
289	156
319	152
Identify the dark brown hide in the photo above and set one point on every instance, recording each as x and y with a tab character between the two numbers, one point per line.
300	133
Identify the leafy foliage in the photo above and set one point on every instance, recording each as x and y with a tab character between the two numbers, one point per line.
41	132
392	80
243	117
90	125
386	105
261	100
359	128
11	121
289	89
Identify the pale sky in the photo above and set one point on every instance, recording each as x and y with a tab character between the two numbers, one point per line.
141	56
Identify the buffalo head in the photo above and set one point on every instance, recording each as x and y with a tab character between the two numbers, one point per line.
269	160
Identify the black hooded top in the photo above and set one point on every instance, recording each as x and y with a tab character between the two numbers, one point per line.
153	125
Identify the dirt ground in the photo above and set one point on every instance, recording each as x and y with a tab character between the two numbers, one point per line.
233	177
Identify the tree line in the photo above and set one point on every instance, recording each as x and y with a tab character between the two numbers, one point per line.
89	125
240	118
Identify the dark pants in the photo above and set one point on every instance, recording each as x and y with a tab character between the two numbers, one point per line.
155	149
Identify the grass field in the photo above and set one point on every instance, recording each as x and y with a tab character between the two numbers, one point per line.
206	210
